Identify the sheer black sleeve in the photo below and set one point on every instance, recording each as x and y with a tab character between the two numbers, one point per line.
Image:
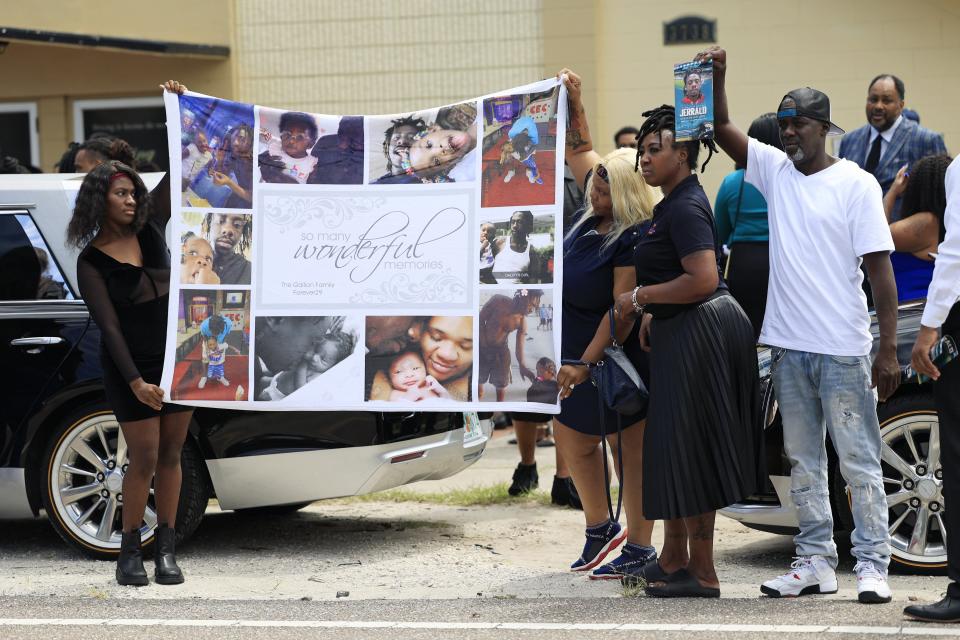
93	288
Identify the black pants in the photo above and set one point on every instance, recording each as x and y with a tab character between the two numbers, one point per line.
946	394
748	272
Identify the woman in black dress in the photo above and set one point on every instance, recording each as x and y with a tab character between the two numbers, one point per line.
124	277
703	443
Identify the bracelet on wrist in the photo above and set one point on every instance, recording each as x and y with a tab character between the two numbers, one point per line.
636	303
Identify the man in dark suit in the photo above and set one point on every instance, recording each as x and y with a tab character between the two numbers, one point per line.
888	140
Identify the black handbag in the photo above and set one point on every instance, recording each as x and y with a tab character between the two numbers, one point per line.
616	379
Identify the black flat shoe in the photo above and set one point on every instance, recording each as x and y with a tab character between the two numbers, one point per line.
164	557
130	571
681	584
947	610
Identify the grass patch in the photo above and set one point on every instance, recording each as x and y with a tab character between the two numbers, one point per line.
632	590
476	496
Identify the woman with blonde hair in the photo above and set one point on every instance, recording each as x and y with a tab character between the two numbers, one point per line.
598	266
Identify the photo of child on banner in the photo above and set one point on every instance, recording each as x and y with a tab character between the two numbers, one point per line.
693	100
215	247
517	247
291	351
216	139
213	345
303	148
519	149
426	146
419	358
514	360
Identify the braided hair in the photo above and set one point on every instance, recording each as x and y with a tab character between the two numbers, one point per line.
926	190
663	119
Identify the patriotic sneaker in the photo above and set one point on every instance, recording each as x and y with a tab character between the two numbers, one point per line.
872	587
632	557
808	574
601	540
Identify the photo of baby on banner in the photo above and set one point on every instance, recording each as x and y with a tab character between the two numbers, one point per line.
215	247
518	362
436	145
302	148
693	100
419	358
213	345
519	156
216	139
292	351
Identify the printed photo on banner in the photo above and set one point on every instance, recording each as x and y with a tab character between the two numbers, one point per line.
213	345
693	100
216	140
437	145
516	356
303	148
419	358
519	156
215	247
516	247
291	351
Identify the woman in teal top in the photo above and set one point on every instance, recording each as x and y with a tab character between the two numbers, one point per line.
740	215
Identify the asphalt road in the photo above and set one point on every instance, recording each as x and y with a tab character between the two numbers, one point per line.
366	569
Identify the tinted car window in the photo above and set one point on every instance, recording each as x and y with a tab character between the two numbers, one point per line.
28	270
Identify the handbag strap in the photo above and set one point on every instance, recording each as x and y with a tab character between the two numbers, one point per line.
603	446
613	327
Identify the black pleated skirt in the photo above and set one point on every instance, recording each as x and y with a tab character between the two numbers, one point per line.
703	446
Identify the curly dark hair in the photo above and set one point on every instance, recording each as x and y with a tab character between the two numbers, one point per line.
406	121
91	207
926	189
106	147
663	119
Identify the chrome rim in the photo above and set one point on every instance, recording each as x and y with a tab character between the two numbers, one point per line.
87	483
913	481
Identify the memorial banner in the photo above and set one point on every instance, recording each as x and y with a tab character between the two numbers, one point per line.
388	263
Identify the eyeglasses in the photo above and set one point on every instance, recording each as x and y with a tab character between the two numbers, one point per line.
300	137
601	172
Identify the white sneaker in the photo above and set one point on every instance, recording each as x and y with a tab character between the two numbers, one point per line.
509	176
808	574
224	382
872	587
202	384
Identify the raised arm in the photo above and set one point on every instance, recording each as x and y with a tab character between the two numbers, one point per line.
579	150
731	139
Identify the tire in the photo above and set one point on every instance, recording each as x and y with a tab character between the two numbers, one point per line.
906	424
83	480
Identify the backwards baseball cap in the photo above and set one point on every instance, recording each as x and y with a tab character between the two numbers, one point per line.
809	103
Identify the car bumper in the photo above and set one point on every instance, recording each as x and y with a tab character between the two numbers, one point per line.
306	476
13	494
768	516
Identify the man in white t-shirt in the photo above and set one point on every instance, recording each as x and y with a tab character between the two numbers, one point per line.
826	219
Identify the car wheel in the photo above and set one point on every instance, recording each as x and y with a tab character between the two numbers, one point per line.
84	465
913	481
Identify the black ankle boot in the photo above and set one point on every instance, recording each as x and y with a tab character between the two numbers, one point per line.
130	569
164	557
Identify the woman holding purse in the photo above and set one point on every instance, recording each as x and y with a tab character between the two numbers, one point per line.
598	253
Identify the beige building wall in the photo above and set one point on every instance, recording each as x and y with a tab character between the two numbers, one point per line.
372	57
54	76
774	46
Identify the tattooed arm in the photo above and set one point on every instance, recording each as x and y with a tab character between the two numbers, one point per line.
579	152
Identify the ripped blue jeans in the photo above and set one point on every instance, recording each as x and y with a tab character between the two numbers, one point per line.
816	391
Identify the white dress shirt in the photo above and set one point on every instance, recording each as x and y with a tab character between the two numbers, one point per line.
885	136
944	289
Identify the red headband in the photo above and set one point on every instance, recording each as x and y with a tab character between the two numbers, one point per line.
117	175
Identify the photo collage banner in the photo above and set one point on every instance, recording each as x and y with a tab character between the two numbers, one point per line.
387	263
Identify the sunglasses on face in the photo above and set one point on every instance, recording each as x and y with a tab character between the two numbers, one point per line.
300	137
602	173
